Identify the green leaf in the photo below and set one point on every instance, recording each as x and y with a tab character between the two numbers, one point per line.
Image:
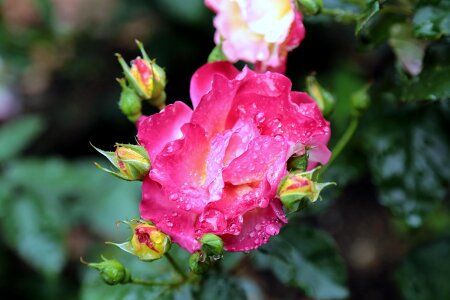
94	288
217	54
306	258
16	135
36	233
409	51
372	8
432	84
423	274
221	288
432	22
408	150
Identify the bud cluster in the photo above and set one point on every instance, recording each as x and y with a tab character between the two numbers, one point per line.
144	80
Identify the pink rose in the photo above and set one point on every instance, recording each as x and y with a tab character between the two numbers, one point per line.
257	31
216	169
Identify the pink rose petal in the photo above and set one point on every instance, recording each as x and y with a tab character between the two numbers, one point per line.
155	131
202	79
258	226
177	223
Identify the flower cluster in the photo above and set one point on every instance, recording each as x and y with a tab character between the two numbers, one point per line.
223	175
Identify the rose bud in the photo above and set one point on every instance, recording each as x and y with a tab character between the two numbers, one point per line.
198	263
298	189
145	77
212	244
147	242
129	103
324	99
112	271
310	7
131	161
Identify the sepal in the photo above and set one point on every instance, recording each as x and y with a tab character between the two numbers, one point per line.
112	271
131	161
147	242
298	189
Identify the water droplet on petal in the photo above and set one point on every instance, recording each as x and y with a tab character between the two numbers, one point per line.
271	229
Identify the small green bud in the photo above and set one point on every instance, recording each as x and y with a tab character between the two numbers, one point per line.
131	161
360	99
324	99
212	245
197	263
130	102
310	7
298	189
112	271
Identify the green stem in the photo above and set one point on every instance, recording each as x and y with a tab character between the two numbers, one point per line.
345	138
176	266
155	283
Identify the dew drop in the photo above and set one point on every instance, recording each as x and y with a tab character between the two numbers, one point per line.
260	117
271	229
173	197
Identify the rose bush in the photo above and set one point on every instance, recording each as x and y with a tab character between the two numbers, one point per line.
216	169
259	32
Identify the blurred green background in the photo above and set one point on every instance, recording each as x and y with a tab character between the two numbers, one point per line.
383	233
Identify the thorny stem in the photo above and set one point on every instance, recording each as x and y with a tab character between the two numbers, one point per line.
345	138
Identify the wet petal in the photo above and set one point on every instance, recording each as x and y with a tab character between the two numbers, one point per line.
155	131
181	168
265	159
258	226
202	79
178	224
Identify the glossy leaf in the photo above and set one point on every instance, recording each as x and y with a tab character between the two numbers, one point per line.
406	160
305	258
16	135
423	274
372	8
432	22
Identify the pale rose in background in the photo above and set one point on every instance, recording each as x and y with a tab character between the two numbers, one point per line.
257	31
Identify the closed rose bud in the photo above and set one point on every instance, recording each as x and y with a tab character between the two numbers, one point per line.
298	189
147	242
324	99
130	103
212	244
112	271
310	7
145	77
198	263
131	161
